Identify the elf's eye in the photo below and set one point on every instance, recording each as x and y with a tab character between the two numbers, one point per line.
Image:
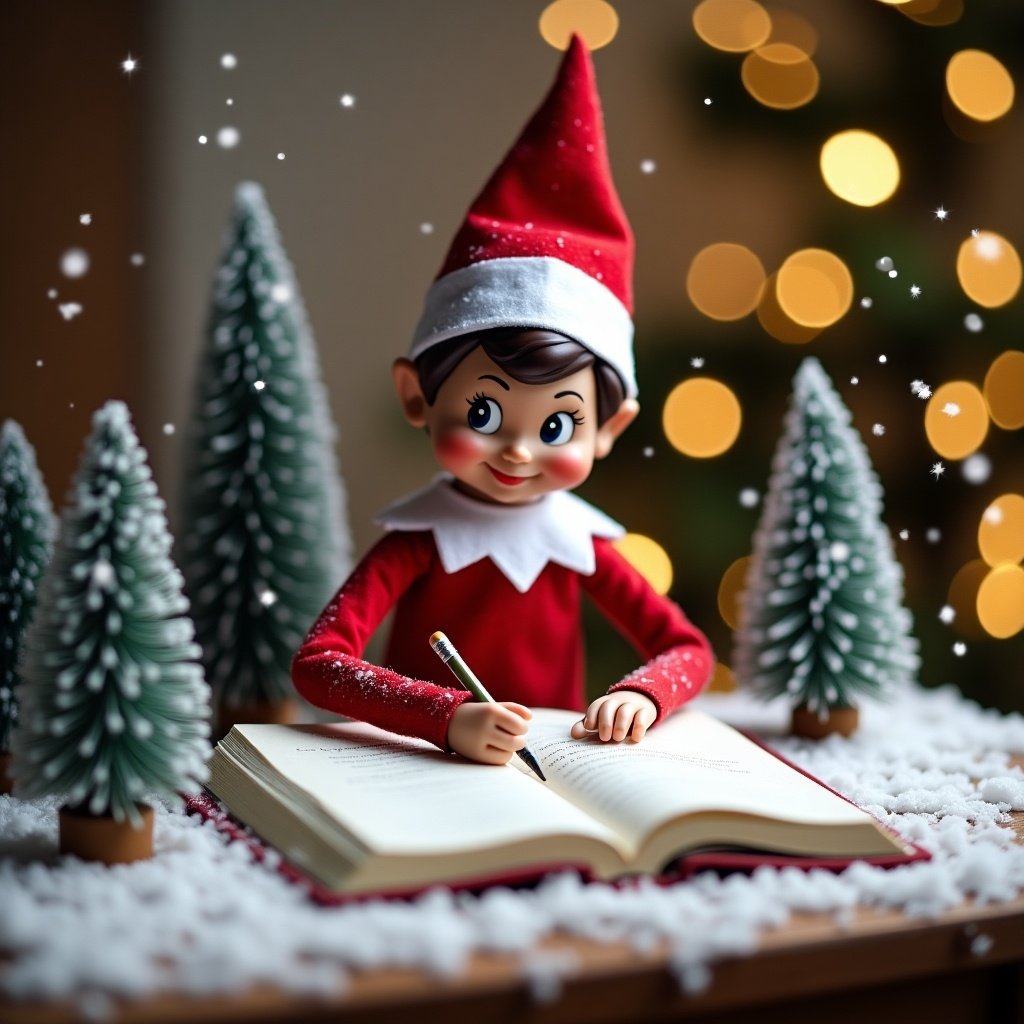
484	414
558	428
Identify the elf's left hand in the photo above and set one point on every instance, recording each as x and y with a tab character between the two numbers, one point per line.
616	716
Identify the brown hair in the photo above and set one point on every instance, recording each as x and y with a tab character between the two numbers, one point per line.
529	356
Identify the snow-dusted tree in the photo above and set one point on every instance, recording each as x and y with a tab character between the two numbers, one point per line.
27	528
114	704
265	540
822	617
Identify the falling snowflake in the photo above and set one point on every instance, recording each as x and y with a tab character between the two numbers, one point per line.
855	380
229	61
951	409
947	613
878	429
69	310
347	100
866	302
976	468
202	140
934	535
137	259
426	228
169	429
648	166
708	101
919	388
129	64
749	497
228	137
85	218
268	598
915	291
973	323
697	362
883	359
648	452
280	156
259	385
904	534
884	264
959	648
941	213
937	470
74	263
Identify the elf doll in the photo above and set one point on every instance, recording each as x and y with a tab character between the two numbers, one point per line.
521	372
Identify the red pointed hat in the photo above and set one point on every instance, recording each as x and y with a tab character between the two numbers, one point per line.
546	244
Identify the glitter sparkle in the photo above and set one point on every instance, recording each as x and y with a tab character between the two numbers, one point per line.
937	470
129	64
915	290
941	213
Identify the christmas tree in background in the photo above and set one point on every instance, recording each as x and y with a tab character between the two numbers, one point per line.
265	539
27	528
822	618
114	704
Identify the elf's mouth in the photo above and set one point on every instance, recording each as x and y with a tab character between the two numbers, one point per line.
504	478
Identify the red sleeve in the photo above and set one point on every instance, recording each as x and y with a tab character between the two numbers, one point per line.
679	658
328	669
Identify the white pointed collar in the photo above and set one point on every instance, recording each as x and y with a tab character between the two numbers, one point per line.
519	539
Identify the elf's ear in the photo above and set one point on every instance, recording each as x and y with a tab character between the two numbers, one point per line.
609	431
410	394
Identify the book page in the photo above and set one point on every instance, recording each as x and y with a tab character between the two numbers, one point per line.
687	764
404	796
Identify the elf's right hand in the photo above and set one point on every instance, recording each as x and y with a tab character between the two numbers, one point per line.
488	732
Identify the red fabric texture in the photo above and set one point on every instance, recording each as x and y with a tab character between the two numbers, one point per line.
553	194
524	647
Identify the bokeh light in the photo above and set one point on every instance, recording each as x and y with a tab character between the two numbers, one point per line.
1004	390
734	580
979	85
701	417
595	21
780	75
989	269
734	26
956	419
860	167
793	28
649	559
814	288
934	13
725	280
1001	530
1001	601
722	679
772	317
962	597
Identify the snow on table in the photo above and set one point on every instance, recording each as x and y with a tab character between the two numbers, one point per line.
201	917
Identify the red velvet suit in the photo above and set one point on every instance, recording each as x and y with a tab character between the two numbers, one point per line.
525	647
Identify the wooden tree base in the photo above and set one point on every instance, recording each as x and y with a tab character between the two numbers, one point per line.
6	781
809	725
101	838
271	712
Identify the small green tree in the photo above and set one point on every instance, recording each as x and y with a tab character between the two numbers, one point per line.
114	702
822	618
27	528
264	536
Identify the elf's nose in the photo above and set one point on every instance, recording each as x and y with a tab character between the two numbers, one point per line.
517	452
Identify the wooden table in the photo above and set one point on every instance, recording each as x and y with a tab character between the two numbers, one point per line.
967	965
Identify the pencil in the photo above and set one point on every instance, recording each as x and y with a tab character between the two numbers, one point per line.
445	650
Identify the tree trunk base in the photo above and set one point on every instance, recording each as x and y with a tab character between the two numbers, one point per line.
101	838
271	712
809	725
6	779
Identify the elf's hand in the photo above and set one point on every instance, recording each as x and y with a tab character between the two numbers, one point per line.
615	716
489	733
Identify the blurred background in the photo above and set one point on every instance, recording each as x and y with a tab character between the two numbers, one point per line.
840	180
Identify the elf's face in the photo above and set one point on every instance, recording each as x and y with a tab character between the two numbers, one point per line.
509	442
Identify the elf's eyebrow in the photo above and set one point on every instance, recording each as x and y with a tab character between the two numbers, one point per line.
497	380
562	394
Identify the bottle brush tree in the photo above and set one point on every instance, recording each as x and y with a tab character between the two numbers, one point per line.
822	617
27	529
115	708
264	538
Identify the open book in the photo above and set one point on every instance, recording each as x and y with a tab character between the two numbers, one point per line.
363	810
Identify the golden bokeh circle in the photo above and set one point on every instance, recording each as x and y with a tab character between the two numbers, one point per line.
989	269
725	280
734	26
780	76
1001	530
722	679
962	597
649	559
1001	601
1004	390
956	419
814	288
733	582
701	417
979	85
595	21
859	167
790	27
772	317
933	13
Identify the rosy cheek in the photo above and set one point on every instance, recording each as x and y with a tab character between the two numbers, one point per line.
459	447
570	467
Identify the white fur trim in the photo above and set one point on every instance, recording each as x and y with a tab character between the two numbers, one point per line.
529	291
519	539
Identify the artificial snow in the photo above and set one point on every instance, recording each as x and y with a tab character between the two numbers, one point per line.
202	917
